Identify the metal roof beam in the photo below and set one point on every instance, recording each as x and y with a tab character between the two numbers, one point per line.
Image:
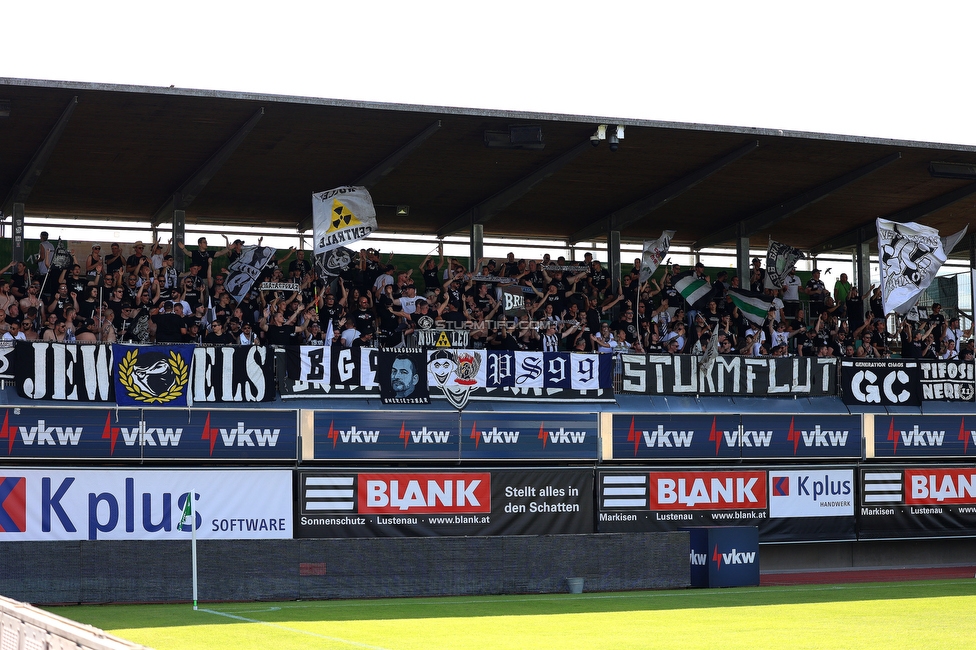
28	178
776	213
184	195
637	210
868	231
491	206
384	167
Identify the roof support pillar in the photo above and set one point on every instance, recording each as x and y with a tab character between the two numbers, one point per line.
17	232
179	236
477	246
742	261
862	267
613	261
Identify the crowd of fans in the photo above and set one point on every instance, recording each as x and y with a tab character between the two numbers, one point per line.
561	306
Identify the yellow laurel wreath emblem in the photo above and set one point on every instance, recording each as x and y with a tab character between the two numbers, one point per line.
176	363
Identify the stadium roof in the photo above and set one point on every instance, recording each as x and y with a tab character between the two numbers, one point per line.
125	152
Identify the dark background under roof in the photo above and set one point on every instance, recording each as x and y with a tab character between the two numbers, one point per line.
126	149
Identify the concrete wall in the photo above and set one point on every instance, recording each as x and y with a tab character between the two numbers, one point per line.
867	554
157	571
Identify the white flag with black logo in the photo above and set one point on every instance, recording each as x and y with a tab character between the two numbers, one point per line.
654	252
910	255
341	216
780	259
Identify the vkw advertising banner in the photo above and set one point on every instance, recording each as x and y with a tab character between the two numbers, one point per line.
900	502
140	504
429	502
436	435
789	504
915	436
655	374
159	434
734	436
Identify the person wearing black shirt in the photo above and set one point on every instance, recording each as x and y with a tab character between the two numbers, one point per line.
281	331
217	335
170	327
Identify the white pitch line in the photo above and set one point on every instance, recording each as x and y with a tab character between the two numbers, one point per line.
295	630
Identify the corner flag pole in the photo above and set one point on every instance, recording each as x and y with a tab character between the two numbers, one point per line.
193	546
188	513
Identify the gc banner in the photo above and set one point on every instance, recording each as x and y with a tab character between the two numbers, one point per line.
912	436
788	504
887	382
157	434
735	436
424	503
140	504
898	502
730	375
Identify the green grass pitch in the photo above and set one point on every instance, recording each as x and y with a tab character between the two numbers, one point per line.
923	614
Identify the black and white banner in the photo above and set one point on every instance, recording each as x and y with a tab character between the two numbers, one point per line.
402	375
949	381
84	373
910	255
7	360
729	375
246	269
887	382
780	258
470	374
334	262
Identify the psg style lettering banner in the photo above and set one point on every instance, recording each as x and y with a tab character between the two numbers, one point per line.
786	504
899	502
654	374
149	434
431	503
149	376
454	375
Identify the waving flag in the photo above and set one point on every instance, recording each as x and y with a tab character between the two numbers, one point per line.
246	269
708	357
693	289
754	306
654	252
780	258
341	216
910	255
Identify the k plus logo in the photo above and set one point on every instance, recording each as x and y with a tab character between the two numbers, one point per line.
781	486
424	436
561	436
352	435
733	557
493	436
13	504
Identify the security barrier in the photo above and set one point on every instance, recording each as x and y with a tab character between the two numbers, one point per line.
23	626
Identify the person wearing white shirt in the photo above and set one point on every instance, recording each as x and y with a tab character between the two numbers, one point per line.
14	333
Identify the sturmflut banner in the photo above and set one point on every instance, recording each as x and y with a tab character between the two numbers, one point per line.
786	504
652	374
919	501
39	505
424	503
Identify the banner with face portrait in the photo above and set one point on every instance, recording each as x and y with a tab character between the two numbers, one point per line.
402	376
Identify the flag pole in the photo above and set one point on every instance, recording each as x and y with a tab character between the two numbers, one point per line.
193	546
